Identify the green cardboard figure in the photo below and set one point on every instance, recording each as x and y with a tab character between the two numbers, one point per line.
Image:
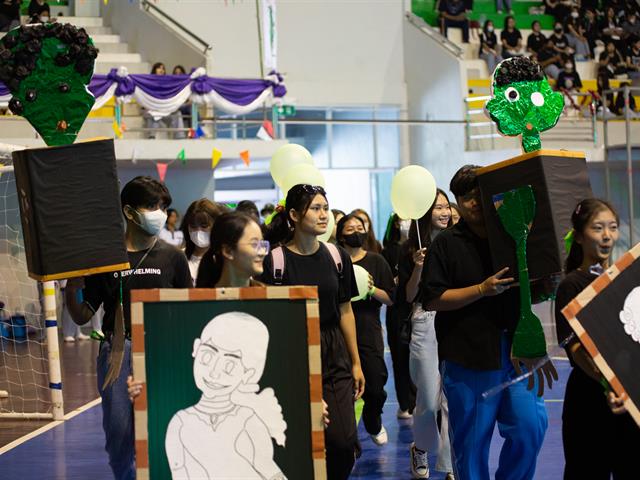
523	102
516	210
47	68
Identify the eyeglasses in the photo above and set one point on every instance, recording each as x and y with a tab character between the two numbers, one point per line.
261	247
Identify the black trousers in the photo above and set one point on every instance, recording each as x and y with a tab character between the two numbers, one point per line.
341	436
405	389
597	443
462	24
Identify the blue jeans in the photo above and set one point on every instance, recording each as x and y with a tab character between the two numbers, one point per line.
423	366
117	415
520	414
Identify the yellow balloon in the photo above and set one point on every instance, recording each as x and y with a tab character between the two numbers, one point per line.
330	224
362	281
413	191
286	157
302	173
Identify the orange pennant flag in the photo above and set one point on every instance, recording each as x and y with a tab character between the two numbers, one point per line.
162	170
244	155
216	155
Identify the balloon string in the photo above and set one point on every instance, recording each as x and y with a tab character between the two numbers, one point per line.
497	389
418	230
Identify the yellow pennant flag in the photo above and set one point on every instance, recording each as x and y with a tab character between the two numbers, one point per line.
216	155
116	129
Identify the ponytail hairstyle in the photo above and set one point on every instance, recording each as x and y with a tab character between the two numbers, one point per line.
371	244
580	218
340	227
229	229
200	212
282	227
426	226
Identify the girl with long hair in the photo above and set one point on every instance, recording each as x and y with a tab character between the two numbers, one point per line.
306	261
371	244
588	407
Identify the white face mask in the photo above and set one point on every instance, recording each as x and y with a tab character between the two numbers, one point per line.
489	29
152	222
201	238
44	19
575	14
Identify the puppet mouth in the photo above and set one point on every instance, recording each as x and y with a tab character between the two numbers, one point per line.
213	385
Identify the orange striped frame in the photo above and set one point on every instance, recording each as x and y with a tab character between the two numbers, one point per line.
582	300
310	294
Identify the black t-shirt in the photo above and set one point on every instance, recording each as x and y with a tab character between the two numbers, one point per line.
470	336
574	283
634	56
569	80
10	9
318	269
511	37
452	7
536	41
488	39
367	311
391	254
561	42
545	54
164	267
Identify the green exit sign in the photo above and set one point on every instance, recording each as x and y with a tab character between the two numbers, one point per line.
286	110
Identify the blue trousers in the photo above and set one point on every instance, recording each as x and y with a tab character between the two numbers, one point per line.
117	415
520	414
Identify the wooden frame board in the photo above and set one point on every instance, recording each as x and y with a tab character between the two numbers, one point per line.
594	315
200	305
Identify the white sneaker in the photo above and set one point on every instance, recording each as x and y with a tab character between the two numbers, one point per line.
403	414
381	438
419	462
82	336
69	339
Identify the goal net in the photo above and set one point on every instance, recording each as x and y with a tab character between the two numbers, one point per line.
26	385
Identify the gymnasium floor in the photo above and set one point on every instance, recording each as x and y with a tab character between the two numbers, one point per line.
74	449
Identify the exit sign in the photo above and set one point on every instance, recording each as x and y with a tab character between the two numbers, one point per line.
286	110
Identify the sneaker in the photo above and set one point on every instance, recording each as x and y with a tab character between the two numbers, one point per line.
381	438
419	462
82	336
403	414
69	339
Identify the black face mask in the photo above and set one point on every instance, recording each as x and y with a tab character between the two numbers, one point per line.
558	29
355	240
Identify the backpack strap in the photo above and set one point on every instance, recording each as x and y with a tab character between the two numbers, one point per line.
335	255
277	257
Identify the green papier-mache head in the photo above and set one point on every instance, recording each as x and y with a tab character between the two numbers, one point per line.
523	102
47	68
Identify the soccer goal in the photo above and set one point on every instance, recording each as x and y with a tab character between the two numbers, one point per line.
30	377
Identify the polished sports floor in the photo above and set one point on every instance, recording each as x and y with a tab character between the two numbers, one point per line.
74	449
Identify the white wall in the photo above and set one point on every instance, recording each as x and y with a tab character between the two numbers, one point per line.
333	52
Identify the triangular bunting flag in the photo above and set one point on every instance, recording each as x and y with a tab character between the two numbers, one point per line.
266	131
134	155
199	132
244	155
216	155
182	156
162	170
191	133
116	129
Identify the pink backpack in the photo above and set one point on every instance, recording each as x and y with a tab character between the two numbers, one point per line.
277	255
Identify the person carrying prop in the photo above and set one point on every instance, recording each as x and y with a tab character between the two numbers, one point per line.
589	405
477	314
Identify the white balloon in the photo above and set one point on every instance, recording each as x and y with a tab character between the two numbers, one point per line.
362	281
302	173
413	191
330	224
286	157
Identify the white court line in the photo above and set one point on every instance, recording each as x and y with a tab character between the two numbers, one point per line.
49	426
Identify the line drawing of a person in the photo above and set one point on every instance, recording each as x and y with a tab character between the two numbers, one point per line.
227	434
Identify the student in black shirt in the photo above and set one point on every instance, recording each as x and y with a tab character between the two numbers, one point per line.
560	40
633	59
489	46
511	38
550	60
453	13
536	39
477	314
351	236
154	264
587	407
309	262
569	79
9	14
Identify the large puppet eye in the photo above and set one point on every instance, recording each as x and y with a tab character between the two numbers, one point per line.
511	94
64	87
31	95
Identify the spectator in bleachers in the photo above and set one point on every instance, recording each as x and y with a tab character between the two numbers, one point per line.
453	13
9	14
174	120
610	29
511	38
185	109
631	26
591	30
612	62
569	83
550	60
579	43
489	46
560	40
633	59
536	39
507	3
36	7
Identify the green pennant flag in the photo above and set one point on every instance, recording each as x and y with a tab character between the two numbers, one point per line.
182	157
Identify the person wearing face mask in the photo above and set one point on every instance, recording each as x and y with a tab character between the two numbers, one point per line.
569	84
196	227
423	347
536	39
560	40
489	46
154	264
351	236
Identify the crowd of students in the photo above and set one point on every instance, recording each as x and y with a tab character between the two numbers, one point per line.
450	319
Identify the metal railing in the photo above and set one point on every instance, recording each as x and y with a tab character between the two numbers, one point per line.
435	34
148	6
